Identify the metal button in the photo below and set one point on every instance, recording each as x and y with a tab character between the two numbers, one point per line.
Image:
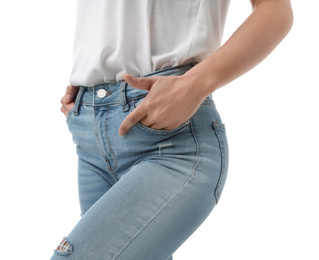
101	93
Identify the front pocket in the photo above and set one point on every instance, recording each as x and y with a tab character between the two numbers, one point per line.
153	131
220	131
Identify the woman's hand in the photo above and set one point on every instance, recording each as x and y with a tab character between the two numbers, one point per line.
68	99
171	100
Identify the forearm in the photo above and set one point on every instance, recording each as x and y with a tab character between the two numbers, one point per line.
249	45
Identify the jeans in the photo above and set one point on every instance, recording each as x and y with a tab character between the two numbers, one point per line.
143	194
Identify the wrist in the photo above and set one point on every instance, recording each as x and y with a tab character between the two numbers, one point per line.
204	80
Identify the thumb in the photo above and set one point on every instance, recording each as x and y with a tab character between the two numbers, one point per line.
140	82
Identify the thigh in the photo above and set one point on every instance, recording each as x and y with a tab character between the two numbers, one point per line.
91	184
147	215
184	183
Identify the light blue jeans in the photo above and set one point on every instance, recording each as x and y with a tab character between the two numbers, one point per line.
143	194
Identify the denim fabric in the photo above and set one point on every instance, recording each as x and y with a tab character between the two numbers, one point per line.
143	194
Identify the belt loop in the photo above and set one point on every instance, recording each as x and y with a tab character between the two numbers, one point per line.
78	100
123	96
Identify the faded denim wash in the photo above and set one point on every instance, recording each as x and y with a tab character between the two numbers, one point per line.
143	194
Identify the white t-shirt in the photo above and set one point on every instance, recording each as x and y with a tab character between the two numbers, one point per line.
113	37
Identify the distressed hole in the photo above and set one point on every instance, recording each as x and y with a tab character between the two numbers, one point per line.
65	248
162	145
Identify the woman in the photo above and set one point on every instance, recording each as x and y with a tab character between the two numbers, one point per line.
152	149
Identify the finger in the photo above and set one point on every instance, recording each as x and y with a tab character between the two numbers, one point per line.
147	121
71	90
131	119
64	111
64	100
68	98
67	107
70	94
140	82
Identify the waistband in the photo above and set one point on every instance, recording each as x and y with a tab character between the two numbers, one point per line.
121	92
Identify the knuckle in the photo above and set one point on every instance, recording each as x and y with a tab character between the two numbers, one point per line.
160	115
69	89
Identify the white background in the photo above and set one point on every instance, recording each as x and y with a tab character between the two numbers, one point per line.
269	207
